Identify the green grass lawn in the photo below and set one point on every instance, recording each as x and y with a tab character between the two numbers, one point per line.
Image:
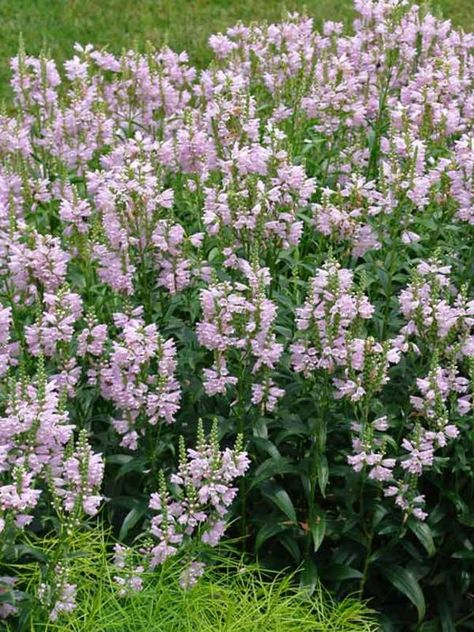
183	24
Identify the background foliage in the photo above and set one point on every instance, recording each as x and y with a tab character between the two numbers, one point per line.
183	24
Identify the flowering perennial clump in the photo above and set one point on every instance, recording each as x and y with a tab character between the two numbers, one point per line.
198	506
280	242
125	378
40	461
239	317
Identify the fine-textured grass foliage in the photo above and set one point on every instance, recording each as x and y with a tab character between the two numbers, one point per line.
231	597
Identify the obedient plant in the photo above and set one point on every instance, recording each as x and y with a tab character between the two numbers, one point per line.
198	507
126	381
41	467
279	245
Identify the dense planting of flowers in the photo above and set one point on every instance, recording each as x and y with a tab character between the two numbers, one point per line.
275	252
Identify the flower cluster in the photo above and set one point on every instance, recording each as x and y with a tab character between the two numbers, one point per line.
203	493
437	313
331	325
129	571
329	320
440	320
369	450
34	432
80	479
260	195
239	317
38	459
139	377
55	325
341	215
8	350
194	511
58	596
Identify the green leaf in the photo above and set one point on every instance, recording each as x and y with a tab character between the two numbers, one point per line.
272	467
119	459
6	594
379	513
423	533
403	580
213	254
293	428
322	469
266	532
27	549
340	572
467	519
136	464
131	519
318	529
446	616
278	496
265	445
284	331
383	278
430	626
463	555
291	546
260	429
309	576
128	502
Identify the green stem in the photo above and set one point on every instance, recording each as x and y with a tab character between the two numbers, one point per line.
241	431
317	452
365	570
